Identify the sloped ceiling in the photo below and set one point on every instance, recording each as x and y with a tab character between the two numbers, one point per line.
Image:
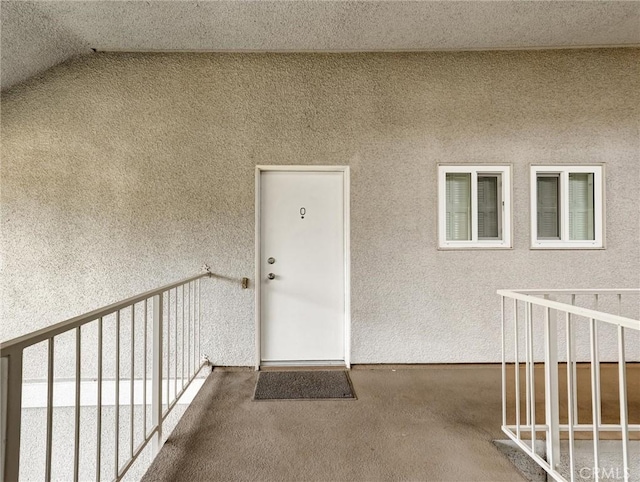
39	34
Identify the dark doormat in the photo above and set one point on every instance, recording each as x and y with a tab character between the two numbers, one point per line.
296	385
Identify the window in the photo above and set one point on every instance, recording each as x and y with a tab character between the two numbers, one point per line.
566	207
474	206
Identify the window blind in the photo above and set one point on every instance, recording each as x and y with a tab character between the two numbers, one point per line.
458	186
488	200
548	204
581	212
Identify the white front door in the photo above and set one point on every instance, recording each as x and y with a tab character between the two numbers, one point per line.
302	266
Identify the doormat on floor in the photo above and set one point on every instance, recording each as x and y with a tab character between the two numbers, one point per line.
296	385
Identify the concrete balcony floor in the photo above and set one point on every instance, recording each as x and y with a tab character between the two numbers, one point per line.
408	423
434	423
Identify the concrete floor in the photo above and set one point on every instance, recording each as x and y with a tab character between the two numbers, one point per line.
426	423
432	423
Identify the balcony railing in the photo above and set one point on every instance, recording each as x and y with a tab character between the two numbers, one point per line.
544	325
169	348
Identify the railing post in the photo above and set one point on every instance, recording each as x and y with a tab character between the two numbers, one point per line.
595	395
532	375
11	416
516	364
552	415
571	382
574	368
504	363
624	416
156	389
4	381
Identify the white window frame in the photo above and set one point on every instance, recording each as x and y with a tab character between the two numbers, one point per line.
504	170
563	170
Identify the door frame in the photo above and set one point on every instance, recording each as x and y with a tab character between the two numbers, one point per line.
347	252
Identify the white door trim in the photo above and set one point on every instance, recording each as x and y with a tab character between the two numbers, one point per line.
347	253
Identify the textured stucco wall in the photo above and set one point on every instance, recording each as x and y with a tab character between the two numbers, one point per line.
32	42
122	172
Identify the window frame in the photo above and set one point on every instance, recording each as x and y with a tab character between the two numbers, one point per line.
504	170
563	171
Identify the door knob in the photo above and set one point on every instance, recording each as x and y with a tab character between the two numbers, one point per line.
271	276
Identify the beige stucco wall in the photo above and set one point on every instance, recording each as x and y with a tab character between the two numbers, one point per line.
121	172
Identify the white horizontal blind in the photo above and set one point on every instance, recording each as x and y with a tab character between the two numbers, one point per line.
548	206
488	207
474	206
458	186
581	212
567	206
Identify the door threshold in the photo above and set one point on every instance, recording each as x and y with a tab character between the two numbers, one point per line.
303	365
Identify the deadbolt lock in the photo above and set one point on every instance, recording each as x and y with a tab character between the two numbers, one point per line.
271	276
271	260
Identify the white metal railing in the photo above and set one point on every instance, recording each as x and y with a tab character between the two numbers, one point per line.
524	314
172	310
